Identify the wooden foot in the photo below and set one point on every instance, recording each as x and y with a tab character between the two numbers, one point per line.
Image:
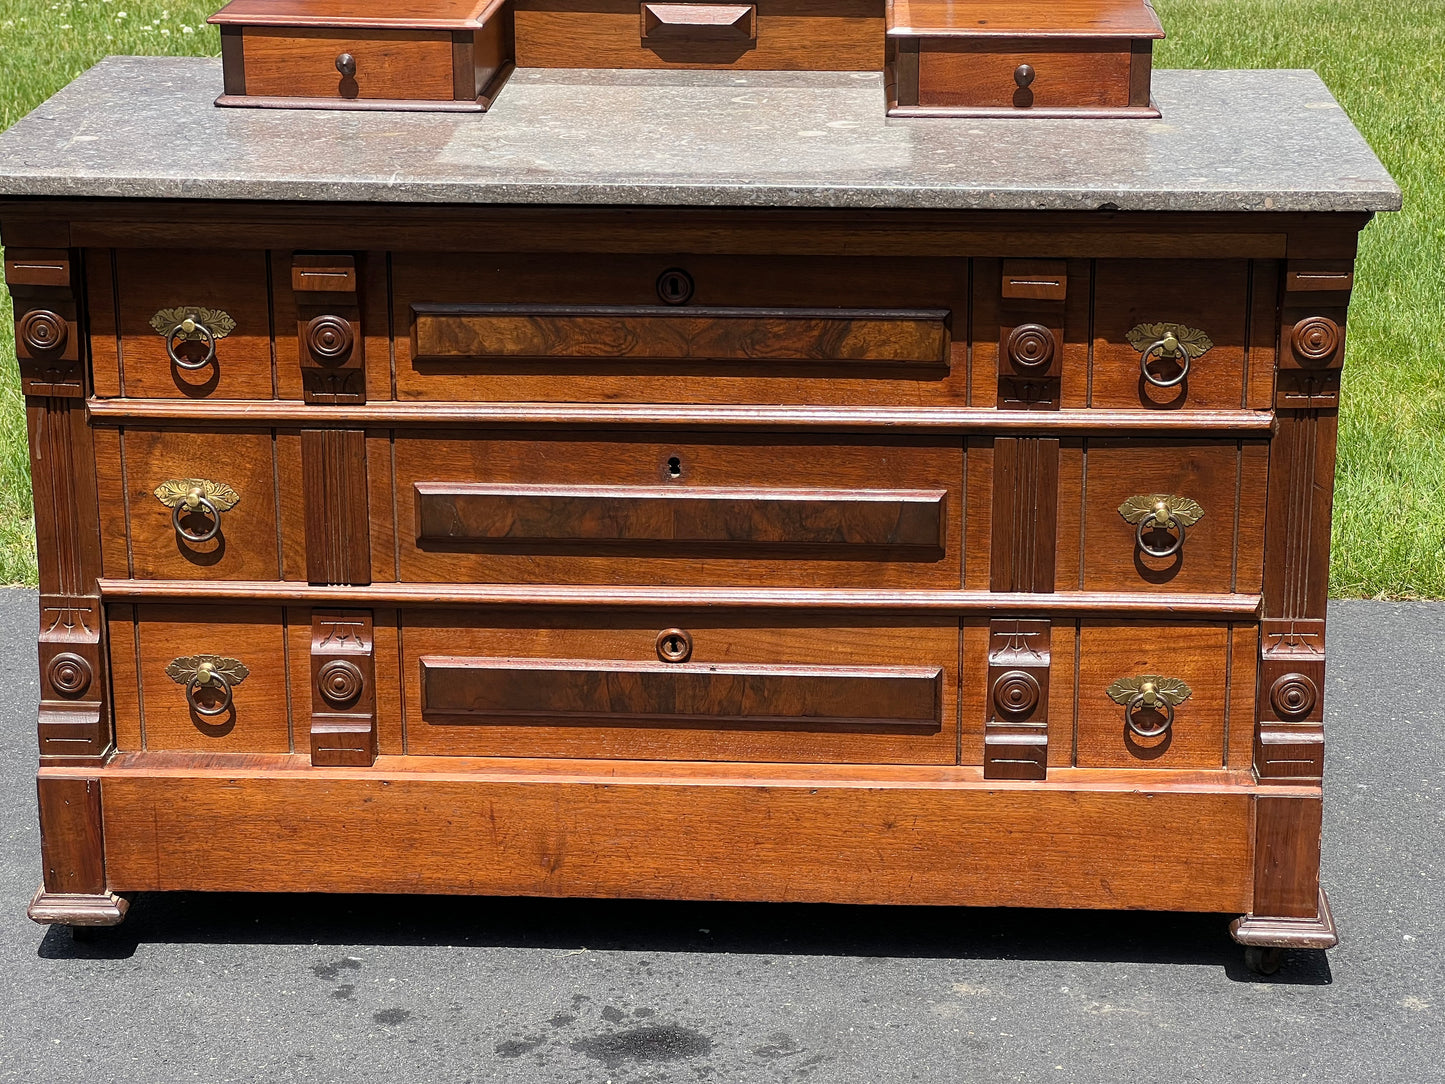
76	909
1268	932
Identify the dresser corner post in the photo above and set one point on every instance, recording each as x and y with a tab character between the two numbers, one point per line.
73	891
74	725
1290	908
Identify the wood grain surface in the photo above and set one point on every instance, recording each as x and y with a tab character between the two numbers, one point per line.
296	62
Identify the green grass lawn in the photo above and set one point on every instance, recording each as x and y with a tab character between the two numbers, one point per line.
1385	61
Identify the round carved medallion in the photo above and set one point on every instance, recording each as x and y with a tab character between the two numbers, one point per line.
1030	347
1315	339
1016	693
43	331
1293	696
69	674
329	338
340	683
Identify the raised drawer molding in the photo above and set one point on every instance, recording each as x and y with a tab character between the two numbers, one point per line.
907	538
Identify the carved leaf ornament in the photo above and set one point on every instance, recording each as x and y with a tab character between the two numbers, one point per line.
183	670
177	491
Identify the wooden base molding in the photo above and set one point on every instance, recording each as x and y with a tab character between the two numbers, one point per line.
77	909
1268	931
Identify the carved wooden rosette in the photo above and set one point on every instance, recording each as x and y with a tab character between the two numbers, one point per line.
1031	333
328	328
343	689
74	722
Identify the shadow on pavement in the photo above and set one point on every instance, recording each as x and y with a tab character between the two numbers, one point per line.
563	925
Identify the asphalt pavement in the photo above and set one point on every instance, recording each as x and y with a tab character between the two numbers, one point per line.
251	987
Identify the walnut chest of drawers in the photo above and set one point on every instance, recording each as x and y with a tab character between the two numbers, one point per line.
873	527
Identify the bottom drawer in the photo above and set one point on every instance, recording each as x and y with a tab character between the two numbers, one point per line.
681	686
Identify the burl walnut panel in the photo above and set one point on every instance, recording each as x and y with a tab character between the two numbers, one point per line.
744	687
676	508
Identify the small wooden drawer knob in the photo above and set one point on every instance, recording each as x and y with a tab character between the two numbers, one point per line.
1293	696
1024	76
1315	339
330	339
43	331
346	65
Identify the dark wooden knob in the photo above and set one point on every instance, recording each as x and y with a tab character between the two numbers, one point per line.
1024	75
69	674
1315	339
340	683
330	339
43	331
1030	347
346	65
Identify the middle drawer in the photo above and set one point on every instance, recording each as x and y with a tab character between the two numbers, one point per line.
709	509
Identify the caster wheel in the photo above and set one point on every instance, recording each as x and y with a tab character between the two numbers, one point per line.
1261	960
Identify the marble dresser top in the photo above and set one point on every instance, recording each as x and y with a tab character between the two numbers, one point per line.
145	127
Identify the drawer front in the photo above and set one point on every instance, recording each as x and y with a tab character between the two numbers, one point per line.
224	352
1088	73
1210	727
395	64
1138	303
688	686
675	509
161	703
779	35
190	505
586	328
1110	537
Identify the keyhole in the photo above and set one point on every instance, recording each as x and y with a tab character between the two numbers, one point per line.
674	286
674	466
674	645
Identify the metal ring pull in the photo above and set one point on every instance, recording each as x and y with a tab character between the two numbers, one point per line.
183	331
214	672
1166	347
1162	694
1165	340
1163	510
197	501
207	676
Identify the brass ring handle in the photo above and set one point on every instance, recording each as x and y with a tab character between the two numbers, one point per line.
1140	701
183	330
1165	510
1161	517
208	676
1163	694
1170	347
196	501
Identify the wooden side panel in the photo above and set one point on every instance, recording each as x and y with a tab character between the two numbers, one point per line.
381	505
110	495
1068	73
978	520
874	844
749	687
792	35
1265	278
71	849
374	290
150	282
1208	296
1287	856
257	721
787	549
1195	652
245	549
296	62
125	679
102	320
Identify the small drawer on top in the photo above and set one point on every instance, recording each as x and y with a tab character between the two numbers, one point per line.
1172	334
199	677
676	508
984	75
345	64
184	505
1162	515
695	329
681	685
180	324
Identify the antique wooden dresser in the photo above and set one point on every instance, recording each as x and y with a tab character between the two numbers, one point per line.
688	485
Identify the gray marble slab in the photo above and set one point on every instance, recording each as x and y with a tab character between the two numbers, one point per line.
1228	141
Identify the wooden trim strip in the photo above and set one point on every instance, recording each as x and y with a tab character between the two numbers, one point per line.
472	691
361	105
242	412
1119	112
1161	606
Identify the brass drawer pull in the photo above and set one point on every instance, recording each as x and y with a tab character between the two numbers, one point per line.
1162	694
212	673
1172	341
1162	510
187	325
186	495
